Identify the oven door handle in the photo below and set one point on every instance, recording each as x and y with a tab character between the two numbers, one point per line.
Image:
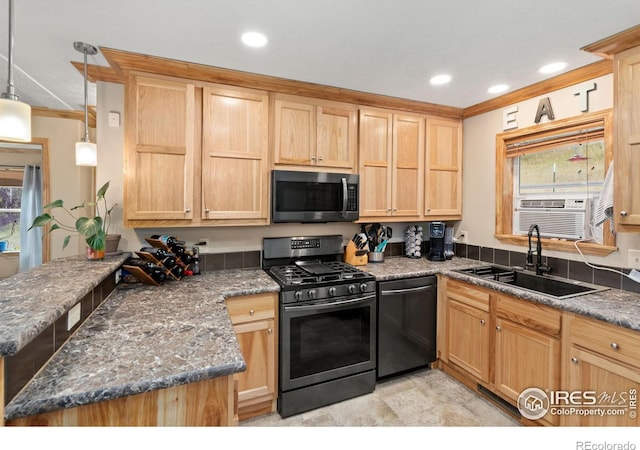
330	305
407	291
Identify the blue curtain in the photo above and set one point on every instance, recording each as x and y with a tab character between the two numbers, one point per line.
31	207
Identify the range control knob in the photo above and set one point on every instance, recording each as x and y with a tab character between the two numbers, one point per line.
332	291
352	289
363	287
298	295
312	293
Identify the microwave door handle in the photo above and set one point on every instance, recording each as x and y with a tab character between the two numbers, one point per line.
344	197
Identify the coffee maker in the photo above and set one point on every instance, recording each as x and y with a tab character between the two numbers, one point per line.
436	242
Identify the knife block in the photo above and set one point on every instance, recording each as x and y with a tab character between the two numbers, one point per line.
351	256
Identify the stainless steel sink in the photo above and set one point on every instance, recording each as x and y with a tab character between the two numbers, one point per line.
558	288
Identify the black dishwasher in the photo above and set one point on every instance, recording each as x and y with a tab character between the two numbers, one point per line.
406	325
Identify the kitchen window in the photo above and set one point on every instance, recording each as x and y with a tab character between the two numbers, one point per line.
10	200
561	164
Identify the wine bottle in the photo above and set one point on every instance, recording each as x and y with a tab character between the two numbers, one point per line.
156	272
159	253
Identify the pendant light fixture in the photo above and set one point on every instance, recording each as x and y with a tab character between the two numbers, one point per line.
15	116
86	151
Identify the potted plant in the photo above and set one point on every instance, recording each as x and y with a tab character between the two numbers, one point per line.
94	230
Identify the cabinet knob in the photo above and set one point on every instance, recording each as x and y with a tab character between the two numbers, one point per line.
395	209
187	210
623	213
206	210
498	328
428	209
251	312
614	346
313	158
574	360
269	331
388	209
321	158
481	321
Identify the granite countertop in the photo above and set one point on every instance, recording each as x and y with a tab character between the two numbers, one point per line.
615	306
31	301
145	338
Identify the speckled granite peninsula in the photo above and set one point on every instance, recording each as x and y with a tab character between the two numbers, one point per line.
31	301
145	338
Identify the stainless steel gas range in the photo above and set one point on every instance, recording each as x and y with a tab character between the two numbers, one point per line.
327	323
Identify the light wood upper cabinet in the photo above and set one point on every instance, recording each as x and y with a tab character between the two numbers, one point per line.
443	169
196	154
314	133
391	155
235	147
159	151
627	139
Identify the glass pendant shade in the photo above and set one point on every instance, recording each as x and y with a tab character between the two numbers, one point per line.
86	154
15	120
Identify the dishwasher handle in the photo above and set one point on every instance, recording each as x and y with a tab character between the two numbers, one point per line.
408	290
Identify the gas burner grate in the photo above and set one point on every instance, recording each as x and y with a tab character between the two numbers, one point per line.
289	275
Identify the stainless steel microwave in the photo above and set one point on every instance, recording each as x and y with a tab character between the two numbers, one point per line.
314	196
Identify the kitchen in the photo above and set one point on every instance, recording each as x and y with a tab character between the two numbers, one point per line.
480	217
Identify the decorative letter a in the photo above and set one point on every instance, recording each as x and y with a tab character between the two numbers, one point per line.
544	108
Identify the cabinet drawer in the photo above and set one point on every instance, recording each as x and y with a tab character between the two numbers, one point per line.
609	340
534	316
468	294
251	307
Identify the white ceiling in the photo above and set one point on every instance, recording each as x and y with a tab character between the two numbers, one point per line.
389	47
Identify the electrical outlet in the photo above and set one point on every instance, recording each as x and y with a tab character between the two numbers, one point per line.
202	241
73	316
634	259
463	237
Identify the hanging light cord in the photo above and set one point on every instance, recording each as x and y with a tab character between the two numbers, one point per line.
10	92
86	99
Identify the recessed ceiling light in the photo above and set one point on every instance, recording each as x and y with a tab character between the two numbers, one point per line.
497	88
254	39
553	67
440	79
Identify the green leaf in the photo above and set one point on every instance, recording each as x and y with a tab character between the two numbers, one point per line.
56	204
55	226
88	227
97	241
41	220
103	190
66	241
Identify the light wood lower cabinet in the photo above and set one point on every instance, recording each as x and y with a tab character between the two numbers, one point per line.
603	363
254	320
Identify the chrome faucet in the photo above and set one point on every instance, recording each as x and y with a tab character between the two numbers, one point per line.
540	268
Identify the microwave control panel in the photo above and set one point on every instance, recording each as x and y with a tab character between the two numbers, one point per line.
352	197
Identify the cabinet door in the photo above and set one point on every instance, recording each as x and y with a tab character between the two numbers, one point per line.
525	358
443	168
258	344
295	133
468	339
336	137
159	150
408	151
375	166
627	139
614	384
234	154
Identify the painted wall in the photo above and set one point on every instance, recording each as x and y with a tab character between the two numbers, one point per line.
220	239
479	162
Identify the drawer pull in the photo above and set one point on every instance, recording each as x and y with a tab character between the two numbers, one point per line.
574	360
481	321
269	331
251	312
615	346
498	328
623	213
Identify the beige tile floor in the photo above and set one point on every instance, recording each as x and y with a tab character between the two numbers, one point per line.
422	398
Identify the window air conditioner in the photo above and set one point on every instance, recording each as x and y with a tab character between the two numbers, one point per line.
566	218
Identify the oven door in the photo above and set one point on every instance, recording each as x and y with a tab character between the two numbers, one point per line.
321	342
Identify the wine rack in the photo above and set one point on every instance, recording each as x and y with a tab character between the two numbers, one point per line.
150	257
